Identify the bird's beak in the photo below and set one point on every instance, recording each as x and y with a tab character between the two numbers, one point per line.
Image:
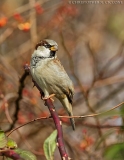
54	48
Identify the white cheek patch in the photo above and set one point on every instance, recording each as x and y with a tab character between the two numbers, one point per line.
42	52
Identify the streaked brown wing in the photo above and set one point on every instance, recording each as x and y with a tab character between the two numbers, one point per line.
61	79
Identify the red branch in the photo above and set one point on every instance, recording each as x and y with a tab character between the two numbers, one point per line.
10	153
54	115
58	125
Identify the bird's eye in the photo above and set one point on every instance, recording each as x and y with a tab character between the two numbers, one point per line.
47	45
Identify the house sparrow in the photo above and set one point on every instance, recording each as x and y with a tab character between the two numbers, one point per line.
50	75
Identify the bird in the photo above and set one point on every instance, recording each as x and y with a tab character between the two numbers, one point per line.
47	71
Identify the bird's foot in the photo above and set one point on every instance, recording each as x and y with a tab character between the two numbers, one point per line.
50	96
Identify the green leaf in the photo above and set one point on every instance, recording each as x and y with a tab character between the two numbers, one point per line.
3	139
11	143
114	152
49	145
25	155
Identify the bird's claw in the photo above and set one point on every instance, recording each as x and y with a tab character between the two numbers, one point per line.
50	96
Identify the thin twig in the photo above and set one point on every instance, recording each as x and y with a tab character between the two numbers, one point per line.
8	114
90	115
26	124
112	60
33	30
21	86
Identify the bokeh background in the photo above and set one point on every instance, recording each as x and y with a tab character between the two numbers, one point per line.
91	48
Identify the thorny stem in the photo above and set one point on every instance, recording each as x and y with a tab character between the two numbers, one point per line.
58	124
54	115
10	153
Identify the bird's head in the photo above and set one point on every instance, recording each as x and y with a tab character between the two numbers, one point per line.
46	48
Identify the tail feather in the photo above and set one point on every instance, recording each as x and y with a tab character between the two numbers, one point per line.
72	121
67	105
